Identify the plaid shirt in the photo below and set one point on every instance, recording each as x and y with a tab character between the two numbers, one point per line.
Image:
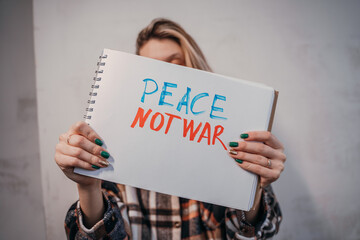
140	214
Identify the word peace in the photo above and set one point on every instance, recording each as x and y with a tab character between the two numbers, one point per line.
185	100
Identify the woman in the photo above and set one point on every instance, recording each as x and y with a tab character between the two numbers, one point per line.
113	211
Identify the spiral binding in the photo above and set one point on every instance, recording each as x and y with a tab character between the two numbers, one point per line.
95	86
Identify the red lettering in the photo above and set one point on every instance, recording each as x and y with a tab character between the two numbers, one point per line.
140	117
171	117
207	129
152	122
191	128
217	133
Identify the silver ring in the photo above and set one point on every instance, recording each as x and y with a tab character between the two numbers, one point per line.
269	163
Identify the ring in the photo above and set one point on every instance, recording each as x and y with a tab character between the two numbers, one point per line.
269	163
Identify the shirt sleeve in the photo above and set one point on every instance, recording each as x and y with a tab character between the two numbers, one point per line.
110	227
270	218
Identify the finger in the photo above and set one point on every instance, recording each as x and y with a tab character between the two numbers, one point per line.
68	162
262	171
276	164
267	175
253	158
81	154
257	148
92	148
263	136
63	137
85	130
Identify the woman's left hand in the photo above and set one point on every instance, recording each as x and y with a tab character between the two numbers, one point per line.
260	153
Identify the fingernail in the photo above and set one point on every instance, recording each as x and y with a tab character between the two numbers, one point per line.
233	144
233	152
106	163
105	154
98	142
244	135
94	166
239	161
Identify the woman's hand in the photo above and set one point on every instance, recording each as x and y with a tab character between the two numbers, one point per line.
81	147
260	153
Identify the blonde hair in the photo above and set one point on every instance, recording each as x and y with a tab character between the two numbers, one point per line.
161	28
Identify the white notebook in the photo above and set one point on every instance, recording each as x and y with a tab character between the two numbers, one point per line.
167	127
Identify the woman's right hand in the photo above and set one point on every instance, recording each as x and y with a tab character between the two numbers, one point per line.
81	147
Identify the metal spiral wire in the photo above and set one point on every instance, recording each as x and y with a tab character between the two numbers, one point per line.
94	86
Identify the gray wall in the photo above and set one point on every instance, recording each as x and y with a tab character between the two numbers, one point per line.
308	50
21	204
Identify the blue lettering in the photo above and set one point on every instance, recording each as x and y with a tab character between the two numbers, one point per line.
218	109
148	93
197	97
165	93
184	101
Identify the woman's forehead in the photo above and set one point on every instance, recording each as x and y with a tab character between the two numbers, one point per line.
161	49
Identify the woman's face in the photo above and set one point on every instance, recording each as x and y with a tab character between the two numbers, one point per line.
166	50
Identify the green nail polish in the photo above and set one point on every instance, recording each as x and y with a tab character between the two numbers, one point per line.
94	166
233	144
98	142
239	161
244	135
105	154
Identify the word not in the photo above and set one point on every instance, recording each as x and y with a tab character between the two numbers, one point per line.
185	100
188	126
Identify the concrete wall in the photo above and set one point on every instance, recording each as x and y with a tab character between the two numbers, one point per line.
308	50
21	199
